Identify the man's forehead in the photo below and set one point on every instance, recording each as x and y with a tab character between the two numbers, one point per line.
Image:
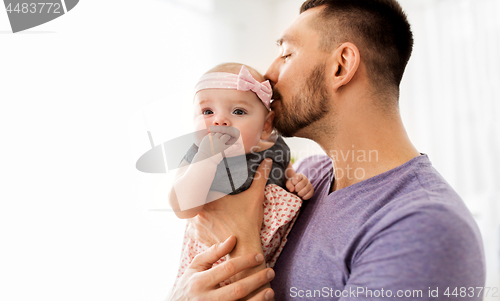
299	27
289	38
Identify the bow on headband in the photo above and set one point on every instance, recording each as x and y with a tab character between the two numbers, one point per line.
244	81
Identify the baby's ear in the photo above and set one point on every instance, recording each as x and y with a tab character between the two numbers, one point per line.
268	126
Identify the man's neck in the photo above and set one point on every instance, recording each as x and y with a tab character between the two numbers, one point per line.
365	147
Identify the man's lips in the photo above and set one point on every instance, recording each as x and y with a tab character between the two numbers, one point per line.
276	98
274	103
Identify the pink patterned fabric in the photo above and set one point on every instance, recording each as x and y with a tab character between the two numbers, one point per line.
281	209
244	81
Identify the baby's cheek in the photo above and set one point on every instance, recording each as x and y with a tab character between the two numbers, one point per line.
250	142
200	129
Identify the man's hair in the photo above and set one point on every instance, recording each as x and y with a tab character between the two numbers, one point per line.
379	28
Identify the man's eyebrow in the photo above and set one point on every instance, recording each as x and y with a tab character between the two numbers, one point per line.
285	38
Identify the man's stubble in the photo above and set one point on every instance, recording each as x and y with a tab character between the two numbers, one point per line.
308	106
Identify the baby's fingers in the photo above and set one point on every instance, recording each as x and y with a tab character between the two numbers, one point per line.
216	136
220	139
306	192
296	179
301	184
290	186
224	138
235	148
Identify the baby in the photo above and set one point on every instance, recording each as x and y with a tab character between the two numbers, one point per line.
234	123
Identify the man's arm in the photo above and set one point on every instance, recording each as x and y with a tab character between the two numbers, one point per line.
238	215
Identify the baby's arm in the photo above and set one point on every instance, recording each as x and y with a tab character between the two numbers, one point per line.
188	197
192	181
298	183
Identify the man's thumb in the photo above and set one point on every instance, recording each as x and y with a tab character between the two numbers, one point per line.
262	173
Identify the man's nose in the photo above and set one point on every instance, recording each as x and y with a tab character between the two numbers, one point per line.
272	72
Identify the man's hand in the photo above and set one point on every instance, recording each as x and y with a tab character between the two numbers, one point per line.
240	215
200	281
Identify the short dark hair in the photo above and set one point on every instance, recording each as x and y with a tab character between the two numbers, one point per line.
379	28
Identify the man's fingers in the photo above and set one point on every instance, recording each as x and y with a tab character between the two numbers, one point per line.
262	174
266	295
205	260
232	267
247	285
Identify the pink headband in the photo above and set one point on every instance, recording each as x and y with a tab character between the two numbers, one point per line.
244	81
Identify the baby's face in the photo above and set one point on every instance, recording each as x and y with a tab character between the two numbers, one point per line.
240	109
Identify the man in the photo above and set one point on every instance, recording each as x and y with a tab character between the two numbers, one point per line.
382	223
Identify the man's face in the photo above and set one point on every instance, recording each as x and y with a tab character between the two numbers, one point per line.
298	77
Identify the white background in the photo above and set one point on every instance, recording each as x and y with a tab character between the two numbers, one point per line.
79	222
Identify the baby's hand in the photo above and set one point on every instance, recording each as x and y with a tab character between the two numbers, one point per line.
301	186
214	143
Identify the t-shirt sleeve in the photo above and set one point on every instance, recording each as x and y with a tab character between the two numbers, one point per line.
427	254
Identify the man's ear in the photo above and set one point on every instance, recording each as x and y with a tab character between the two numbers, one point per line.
346	60
268	126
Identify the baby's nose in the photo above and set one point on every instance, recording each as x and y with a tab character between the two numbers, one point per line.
221	121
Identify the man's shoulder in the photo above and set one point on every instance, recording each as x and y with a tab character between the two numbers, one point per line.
426	210
314	167
418	188
425	220
313	161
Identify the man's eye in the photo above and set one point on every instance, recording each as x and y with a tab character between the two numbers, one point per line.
207	112
239	112
286	57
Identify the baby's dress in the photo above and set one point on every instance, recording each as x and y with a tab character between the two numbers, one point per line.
281	207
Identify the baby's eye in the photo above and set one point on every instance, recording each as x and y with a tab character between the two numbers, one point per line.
207	112
239	112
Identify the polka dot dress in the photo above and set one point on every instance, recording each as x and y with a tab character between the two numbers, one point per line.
281	209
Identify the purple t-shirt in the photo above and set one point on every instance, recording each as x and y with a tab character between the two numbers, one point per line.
401	235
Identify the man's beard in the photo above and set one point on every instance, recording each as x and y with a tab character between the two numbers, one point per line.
310	105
